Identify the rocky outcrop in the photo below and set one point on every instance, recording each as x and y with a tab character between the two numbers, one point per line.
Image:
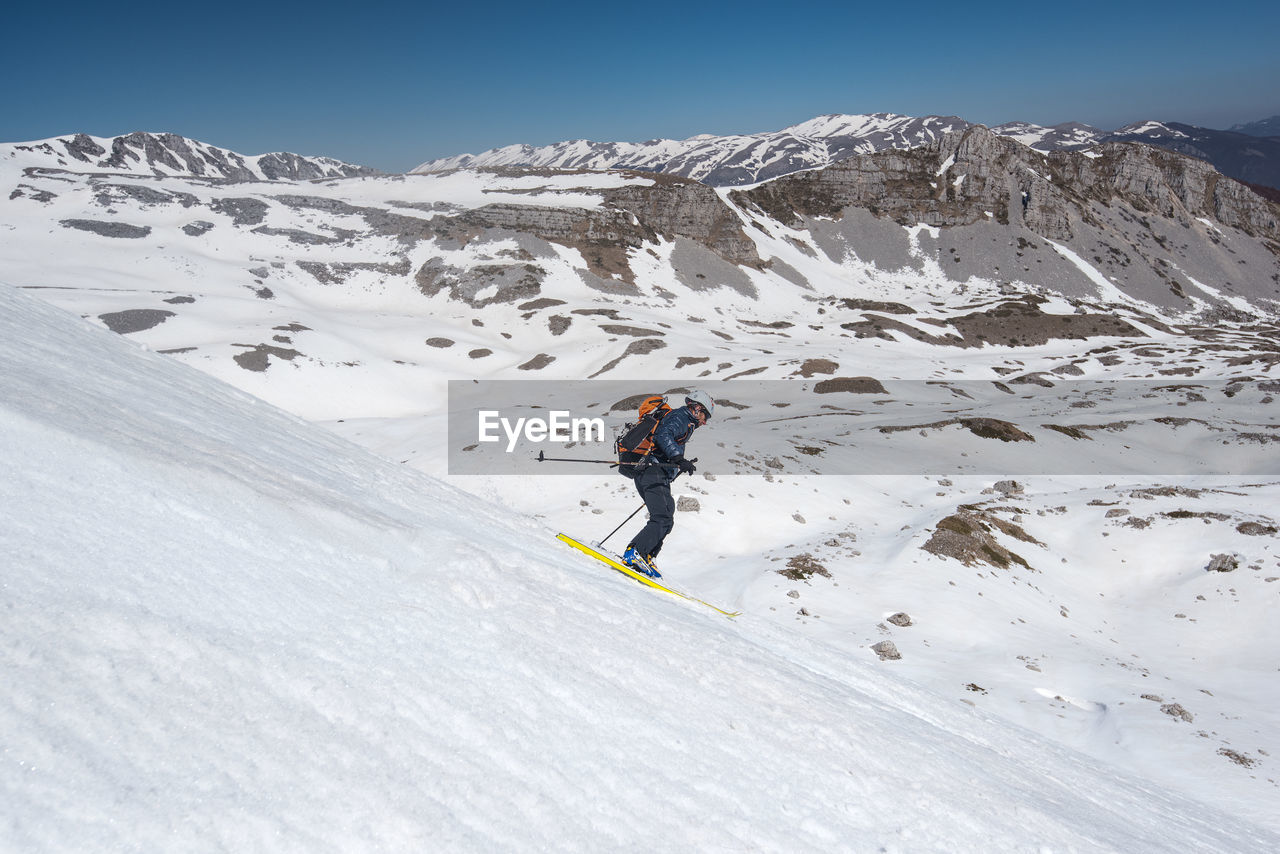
659	207
676	207
1171	185
958	180
176	153
504	283
1248	158
973	175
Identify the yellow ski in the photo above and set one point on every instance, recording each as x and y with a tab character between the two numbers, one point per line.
631	573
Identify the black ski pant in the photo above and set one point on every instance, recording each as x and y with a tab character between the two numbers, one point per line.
654	486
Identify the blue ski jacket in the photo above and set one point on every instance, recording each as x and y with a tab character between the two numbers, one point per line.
669	439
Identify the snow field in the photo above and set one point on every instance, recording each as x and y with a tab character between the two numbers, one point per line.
229	629
303	574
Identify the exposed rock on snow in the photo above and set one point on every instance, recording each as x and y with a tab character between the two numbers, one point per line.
134	319
1223	563
968	536
886	650
109	229
849	385
801	567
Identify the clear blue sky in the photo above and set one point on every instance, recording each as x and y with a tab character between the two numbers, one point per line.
391	84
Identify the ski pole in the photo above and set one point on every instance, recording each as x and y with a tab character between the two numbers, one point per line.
634	512
543	458
624	521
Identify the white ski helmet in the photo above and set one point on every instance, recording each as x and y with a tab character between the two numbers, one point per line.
702	399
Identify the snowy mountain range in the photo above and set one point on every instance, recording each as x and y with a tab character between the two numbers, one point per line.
991	478
736	160
169	154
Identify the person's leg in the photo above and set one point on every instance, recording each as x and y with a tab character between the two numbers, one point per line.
654	488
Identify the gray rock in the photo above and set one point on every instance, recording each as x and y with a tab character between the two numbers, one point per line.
83	148
338	272
886	650
1223	563
135	319
512	282
294	235
640	347
243	211
538	362
108	229
256	358
850	385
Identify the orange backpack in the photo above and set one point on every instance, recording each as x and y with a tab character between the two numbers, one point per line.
636	441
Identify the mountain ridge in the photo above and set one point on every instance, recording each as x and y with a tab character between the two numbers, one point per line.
171	154
742	159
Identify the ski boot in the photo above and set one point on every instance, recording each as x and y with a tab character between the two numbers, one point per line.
640	563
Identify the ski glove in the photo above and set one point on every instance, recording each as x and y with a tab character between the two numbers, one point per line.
686	467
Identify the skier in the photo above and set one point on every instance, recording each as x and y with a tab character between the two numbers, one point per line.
653	482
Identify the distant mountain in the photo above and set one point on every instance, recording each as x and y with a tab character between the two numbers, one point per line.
737	160
162	154
1069	136
1252	159
726	161
1264	127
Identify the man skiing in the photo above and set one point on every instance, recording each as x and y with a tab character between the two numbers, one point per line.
653	481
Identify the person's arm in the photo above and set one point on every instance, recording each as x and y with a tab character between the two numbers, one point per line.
677	423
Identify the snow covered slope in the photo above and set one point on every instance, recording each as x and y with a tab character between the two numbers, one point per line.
353	301
227	629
